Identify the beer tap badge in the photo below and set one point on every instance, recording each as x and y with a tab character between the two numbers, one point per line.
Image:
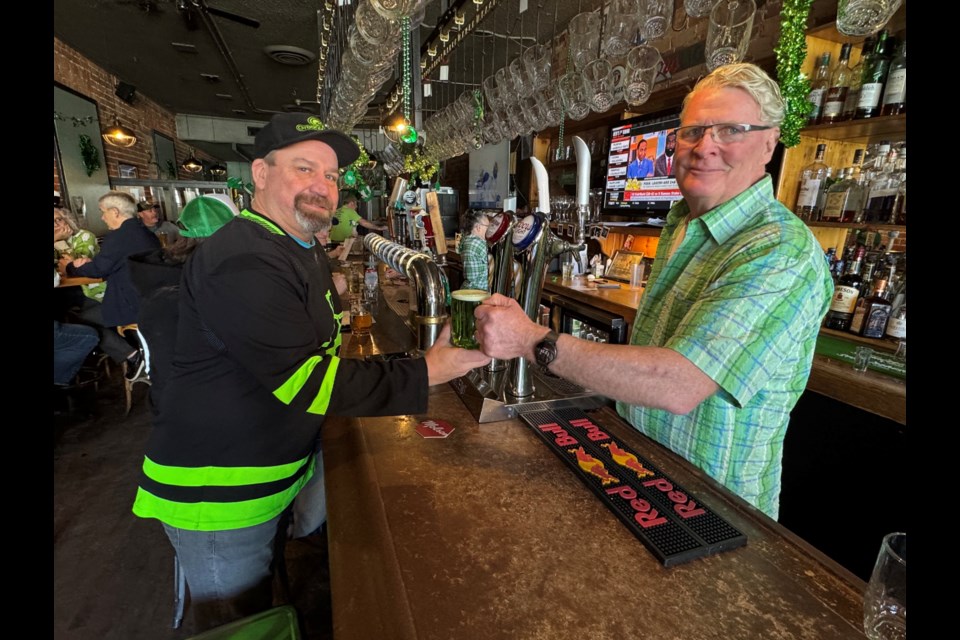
671	522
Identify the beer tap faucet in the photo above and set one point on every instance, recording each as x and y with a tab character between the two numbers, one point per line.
583	200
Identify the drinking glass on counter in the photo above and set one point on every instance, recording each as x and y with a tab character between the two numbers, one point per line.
731	22
361	315
885	602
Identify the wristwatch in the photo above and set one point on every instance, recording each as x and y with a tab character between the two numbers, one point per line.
546	350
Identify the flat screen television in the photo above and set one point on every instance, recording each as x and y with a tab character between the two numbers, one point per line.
640	176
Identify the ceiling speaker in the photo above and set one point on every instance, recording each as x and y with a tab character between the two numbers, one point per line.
126	92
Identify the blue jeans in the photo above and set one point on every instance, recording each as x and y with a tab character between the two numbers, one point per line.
72	343
228	572
310	505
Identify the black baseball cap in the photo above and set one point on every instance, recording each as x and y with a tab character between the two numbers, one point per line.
143	206
285	129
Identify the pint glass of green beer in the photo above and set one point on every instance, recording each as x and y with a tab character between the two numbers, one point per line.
463	302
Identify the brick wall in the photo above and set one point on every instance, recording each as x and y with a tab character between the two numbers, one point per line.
144	116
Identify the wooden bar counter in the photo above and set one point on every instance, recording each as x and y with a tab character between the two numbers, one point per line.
486	534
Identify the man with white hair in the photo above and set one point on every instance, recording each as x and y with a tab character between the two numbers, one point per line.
723	340
121	302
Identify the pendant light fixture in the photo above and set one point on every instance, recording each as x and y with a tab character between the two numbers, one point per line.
218	170
191	164
119	135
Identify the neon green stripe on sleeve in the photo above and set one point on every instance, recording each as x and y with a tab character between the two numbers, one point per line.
294	384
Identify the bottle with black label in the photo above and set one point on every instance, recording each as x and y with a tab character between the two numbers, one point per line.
845	294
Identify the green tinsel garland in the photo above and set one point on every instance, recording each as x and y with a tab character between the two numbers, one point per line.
791	51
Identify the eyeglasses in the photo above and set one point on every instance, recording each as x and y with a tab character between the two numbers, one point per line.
721	133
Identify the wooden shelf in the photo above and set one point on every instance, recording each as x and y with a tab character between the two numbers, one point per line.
885	345
865	130
857	225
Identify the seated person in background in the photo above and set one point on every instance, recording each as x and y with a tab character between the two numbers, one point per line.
72	343
121	302
473	250
70	242
347	218
156	275
150	215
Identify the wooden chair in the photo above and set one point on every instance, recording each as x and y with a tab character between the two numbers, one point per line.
143	377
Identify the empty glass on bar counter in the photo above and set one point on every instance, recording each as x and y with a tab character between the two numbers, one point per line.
885	602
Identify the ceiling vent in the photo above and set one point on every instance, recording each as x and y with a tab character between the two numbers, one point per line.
288	54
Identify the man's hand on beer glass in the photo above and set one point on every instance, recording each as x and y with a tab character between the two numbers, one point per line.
446	362
504	330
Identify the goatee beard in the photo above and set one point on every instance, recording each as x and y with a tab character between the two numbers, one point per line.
309	224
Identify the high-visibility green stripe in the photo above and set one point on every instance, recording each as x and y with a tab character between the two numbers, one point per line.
218	476
266	224
289	389
216	516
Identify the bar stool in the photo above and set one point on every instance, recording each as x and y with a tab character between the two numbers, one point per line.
143	376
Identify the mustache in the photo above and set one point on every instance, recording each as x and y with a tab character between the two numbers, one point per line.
316	201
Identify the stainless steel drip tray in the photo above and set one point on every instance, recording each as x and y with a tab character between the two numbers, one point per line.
485	395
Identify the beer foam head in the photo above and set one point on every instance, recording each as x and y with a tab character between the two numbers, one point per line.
470	295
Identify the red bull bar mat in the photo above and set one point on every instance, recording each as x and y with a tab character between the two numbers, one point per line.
672	523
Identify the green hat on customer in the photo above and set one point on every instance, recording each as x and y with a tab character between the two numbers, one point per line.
203	216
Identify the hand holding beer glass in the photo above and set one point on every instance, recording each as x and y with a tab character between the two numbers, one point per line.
462	306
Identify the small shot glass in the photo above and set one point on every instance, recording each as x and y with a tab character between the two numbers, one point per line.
861	358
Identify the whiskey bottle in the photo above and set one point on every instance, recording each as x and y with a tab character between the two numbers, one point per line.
882	193
818	89
812	183
844	199
839	86
856	77
897	323
876	311
895	93
874	73
845	295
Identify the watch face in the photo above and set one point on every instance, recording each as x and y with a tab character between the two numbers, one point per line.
546	352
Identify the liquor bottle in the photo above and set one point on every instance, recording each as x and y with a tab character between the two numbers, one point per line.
818	88
839	86
831	257
882	192
898	213
897	323
845	295
874	73
895	94
876	311
856	76
812	182
844	199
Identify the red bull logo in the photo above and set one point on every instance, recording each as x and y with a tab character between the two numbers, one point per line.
628	460
593	466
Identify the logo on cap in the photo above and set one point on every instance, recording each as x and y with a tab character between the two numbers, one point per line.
313	124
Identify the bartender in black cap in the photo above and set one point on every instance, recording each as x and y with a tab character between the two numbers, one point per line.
256	372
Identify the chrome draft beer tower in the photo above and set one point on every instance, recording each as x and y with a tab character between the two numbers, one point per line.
496	392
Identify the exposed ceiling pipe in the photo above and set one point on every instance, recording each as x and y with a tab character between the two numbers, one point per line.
224	50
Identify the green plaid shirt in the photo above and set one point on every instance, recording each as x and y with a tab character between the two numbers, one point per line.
742	299
473	253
